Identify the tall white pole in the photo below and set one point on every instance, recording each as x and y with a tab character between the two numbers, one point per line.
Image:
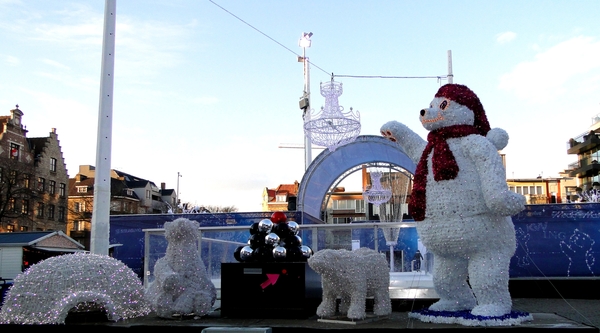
307	143
450	75
99	239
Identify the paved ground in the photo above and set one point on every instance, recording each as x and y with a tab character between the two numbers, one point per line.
583	311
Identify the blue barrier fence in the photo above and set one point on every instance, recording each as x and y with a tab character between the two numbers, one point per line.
557	240
554	240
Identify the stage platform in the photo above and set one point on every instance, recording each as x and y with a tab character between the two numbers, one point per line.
409	292
552	315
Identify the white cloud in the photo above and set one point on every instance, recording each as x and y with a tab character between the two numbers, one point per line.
143	47
505	37
55	64
10	2
12	61
205	100
552	73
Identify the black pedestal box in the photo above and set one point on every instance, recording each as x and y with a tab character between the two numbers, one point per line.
269	290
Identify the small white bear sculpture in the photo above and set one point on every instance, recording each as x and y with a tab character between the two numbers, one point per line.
353	276
181	286
461	201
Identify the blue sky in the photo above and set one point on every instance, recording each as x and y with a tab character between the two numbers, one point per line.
200	92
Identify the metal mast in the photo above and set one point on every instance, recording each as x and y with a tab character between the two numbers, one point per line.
99	239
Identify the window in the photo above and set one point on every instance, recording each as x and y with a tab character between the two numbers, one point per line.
52	187
147	194
525	190
25	207
79	225
41	184
23	228
115	206
340	220
519	190
10	228
11	205
532	190
62	190
53	164
376	210
40	209
26	181
79	207
539	190
61	214
51	212
15	149
344	204
13	177
360	206
511	188
281	197
82	189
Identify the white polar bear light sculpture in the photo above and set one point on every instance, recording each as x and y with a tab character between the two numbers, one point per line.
181	286
353	276
462	203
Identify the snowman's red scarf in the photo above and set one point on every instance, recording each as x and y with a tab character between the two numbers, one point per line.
444	165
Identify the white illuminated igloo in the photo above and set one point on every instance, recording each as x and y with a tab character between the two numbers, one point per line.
47	291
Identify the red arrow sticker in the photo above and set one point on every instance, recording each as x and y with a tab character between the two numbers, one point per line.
271	279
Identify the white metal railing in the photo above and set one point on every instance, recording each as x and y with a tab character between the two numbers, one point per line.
219	242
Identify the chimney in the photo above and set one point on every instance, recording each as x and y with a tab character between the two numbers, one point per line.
162	186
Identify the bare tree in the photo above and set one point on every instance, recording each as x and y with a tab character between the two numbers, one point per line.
222	209
189	207
16	192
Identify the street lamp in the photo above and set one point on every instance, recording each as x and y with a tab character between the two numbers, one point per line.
305	42
177	193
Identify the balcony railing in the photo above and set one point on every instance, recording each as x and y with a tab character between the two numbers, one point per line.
580	138
583	162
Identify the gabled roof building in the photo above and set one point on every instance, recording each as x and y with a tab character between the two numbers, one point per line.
281	198
33	178
20	250
128	195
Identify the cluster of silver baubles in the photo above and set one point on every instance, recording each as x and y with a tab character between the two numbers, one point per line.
274	240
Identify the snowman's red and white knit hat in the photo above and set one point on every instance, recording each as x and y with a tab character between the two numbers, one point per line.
465	96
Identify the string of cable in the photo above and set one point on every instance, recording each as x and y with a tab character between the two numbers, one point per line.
438	77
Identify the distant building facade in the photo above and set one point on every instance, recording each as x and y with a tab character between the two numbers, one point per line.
543	190
282	198
33	173
128	195
586	147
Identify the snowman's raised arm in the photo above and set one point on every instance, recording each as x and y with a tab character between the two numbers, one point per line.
412	144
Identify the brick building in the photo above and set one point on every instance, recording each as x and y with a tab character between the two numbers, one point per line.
281	198
128	195
34	179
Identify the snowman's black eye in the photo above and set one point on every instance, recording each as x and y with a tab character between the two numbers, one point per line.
444	105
